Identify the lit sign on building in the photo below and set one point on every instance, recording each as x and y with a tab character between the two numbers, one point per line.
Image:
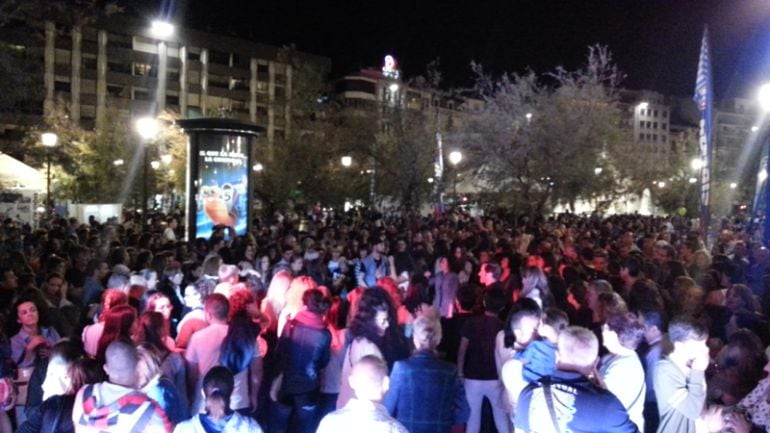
390	67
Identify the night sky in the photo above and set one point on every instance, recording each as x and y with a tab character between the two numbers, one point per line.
655	42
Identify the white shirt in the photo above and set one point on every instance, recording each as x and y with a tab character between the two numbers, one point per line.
360	416
624	377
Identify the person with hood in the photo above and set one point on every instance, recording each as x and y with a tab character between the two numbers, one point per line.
116	405
303	351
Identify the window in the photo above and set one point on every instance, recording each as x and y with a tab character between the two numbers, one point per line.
89	63
261	86
115	91
655	113
172	99
61	86
239	84
261	111
123	68
142	95
143	69
219	57
263	68
664	125
655	125
194	53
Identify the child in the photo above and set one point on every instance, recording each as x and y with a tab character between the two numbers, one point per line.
539	357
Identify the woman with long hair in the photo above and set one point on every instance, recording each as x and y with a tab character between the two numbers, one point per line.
111	298
534	285
241	352
373	331
151	331
152	381
275	299
297	288
218	386
160	303
118	324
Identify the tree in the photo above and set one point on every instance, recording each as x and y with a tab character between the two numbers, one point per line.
556	137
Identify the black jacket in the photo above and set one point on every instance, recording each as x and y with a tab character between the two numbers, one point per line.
53	416
303	351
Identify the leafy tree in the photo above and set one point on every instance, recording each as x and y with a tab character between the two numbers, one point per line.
552	138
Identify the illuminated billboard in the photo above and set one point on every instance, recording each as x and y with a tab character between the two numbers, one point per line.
219	157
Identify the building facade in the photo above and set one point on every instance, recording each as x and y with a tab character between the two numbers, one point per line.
120	63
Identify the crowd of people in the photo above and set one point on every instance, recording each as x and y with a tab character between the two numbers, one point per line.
364	323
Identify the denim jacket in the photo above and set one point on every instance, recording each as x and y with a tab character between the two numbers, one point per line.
426	395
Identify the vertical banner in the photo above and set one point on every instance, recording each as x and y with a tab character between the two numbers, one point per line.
704	96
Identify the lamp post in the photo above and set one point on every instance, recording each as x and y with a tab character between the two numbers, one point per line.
49	140
346	161
455	157
147	128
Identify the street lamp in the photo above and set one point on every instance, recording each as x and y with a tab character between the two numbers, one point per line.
258	167
733	185
161	29
346	161
49	140
155	165
118	162
696	164
454	158
147	128
166	159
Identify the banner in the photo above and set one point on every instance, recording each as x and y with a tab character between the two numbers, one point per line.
704	96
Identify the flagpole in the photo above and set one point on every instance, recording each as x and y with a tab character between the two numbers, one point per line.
704	96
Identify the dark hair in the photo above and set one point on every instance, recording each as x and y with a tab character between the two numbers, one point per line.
240	343
118	323
85	371
217	305
376	299
93	265
683	328
633	265
492	268
315	301
218	386
654	317
556	319
629	329
466	296
494	301
524	307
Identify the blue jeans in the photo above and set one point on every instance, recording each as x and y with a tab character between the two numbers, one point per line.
294	414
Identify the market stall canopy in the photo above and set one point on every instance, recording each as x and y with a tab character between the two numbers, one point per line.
16	175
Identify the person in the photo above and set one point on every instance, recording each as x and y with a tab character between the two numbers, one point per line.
160	303
93	287
568	400
681	377
66	373
218	417
118	324
302	352
373	331
151	332
446	284
229	277
426	394
115	405
621	370
654	326
158	386
240	351
364	413
476	362
111	298
374	266
205	346
534	285
194	320
32	340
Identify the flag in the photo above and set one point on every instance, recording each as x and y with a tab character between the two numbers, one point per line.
704	96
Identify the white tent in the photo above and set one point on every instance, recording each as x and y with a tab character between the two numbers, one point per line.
16	175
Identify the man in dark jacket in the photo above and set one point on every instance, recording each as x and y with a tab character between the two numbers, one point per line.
302	352
568	400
